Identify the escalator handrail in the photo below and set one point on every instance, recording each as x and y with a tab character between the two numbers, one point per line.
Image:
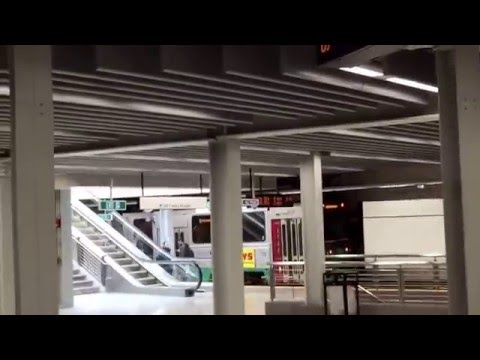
191	262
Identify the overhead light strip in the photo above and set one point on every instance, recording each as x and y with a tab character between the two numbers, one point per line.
360	70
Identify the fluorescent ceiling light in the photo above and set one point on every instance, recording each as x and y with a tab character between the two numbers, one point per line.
413	84
362	71
376	74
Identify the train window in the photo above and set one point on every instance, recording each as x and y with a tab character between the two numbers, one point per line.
284	241
289	241
294	240
201	229
300	238
253	227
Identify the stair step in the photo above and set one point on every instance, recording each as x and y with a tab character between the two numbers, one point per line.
124	261
107	248
76	271
82	283
79	277
139	274
131	267
149	280
116	255
86	290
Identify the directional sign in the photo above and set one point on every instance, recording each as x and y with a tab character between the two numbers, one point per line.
250	202
113	205
106	217
175	203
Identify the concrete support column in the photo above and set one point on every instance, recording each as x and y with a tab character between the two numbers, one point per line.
226	227
33	211
312	220
64	213
458	74
7	279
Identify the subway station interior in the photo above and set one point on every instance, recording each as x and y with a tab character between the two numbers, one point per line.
239	180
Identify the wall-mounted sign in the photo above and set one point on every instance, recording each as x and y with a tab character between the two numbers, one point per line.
253	203
106	217
166	202
113	205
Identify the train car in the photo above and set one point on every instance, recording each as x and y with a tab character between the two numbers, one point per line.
273	234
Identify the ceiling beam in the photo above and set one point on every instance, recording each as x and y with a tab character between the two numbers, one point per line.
335	125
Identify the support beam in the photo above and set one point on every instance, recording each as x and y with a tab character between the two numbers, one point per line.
458	75
333	125
226	227
313	235
33	213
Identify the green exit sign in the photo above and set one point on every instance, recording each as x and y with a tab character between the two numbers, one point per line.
106	217
113	205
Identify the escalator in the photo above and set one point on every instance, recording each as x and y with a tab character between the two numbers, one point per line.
131	269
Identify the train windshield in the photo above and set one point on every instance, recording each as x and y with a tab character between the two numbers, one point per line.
253	228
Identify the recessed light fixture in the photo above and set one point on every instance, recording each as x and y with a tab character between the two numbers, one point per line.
414	84
359	70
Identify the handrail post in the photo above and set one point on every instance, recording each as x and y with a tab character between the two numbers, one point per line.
401	285
272	283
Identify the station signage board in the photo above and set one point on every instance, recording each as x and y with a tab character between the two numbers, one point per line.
113	205
329	53
106	217
253	203
172	203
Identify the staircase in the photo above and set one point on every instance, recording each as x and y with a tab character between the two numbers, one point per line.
132	267
82	284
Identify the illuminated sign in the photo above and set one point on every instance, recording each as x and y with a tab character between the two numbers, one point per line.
250	202
106	217
328	53
165	202
276	201
113	205
248	258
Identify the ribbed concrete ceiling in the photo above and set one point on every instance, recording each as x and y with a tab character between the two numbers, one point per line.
153	108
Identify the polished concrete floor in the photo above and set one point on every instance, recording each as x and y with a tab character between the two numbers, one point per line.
200	304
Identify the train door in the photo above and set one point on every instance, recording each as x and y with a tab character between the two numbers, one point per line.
287	245
179	235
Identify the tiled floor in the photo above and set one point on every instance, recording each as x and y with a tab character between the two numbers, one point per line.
200	304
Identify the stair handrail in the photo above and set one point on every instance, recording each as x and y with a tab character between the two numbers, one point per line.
103	264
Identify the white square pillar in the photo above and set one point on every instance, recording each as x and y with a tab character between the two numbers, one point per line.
64	239
226	227
7	277
33	212
313	234
458	74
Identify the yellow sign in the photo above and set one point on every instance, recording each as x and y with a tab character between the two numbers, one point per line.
248	257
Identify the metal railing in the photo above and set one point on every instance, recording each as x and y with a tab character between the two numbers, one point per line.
420	279
91	262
